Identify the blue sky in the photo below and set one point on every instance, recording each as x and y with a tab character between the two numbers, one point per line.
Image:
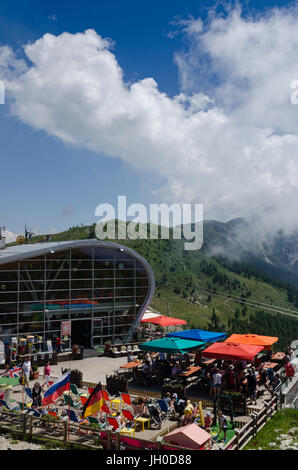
51	185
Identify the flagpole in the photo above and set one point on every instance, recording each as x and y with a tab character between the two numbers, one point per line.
69	404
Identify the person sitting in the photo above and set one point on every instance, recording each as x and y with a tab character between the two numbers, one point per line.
142	410
188	413
119	418
186	359
176	369
36	395
198	358
167	398
130	357
146	371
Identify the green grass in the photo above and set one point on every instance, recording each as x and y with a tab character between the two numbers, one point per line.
183	279
220	439
283	421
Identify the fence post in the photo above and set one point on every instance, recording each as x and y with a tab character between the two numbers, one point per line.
266	406
237	432
65	424
117	440
30	426
24	426
109	440
254	423
280	399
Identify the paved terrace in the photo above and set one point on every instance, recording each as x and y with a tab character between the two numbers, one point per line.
95	369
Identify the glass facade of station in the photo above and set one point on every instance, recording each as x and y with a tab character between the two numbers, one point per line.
101	289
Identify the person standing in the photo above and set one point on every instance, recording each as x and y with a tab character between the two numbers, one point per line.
8	356
217	377
231	378
27	370
252	386
47	374
223	424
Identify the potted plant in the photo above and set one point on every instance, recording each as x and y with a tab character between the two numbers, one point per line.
76	377
116	384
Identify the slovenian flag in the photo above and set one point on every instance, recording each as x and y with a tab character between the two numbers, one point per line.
59	386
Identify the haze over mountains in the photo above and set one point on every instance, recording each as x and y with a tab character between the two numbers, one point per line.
271	250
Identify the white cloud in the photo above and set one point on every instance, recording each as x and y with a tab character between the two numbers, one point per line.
231	146
9	236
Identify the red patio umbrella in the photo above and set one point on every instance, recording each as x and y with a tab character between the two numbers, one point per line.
164	321
232	351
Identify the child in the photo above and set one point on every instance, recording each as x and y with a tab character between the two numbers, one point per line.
223	424
208	422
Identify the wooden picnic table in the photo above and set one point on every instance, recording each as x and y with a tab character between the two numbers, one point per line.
279	356
209	361
270	365
191	370
131	365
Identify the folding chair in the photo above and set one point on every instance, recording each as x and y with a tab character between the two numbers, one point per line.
164	408
75	419
130	417
126	398
92	420
6	405
74	390
83	398
69	401
112	400
34	413
113	423
107	410
28	392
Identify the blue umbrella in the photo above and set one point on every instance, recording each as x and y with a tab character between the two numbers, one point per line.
199	335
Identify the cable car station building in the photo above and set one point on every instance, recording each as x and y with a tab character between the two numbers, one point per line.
102	288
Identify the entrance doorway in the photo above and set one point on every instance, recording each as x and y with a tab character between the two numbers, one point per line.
81	333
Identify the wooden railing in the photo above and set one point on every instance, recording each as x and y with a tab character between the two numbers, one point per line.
67	433
258	420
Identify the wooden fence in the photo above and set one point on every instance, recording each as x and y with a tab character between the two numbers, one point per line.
250	429
67	433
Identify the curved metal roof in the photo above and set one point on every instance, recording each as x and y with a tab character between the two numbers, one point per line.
27	251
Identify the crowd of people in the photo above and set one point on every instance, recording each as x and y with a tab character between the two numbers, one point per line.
234	376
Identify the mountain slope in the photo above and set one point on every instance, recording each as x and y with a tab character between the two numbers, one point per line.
211	291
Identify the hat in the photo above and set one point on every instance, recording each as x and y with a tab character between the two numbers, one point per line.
209	414
175	395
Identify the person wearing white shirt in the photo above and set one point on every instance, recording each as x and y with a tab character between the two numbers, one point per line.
27	369
217	377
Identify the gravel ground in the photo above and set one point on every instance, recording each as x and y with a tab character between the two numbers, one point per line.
11	444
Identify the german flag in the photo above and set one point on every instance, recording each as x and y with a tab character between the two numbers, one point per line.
94	402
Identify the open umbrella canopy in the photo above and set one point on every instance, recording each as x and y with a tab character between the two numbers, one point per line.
232	351
198	335
257	340
164	321
149	315
171	345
